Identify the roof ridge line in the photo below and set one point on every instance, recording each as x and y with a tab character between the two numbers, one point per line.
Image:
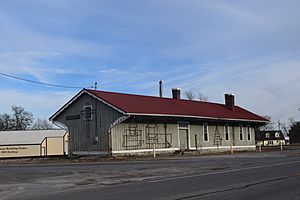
157	97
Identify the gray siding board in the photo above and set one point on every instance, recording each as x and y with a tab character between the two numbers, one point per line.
83	133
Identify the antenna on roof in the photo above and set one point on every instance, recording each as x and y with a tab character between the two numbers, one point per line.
160	88
95	87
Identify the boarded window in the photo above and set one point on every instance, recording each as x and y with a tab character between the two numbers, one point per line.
241	133
72	117
87	112
248	133
226	131
205	132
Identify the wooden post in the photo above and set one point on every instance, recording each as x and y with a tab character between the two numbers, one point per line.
154	153
259	147
196	143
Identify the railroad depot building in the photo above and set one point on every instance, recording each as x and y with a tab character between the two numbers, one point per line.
101	122
33	143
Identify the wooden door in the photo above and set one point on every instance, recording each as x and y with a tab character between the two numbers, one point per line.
183	139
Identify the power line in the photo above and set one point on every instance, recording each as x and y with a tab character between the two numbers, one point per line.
41	83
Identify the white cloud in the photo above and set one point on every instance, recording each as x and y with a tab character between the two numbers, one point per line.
267	87
41	104
248	48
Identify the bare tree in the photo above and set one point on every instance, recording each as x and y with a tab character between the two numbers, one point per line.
21	119
287	126
189	95
269	125
202	97
41	124
292	121
6	122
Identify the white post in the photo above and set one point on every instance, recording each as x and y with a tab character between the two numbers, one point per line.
154	153
231	148
281	145
260	147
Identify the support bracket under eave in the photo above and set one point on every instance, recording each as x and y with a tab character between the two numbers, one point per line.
119	120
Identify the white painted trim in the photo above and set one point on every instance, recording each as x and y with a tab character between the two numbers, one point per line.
205	124
119	120
88	106
178	140
76	97
248	127
224	147
110	105
141	114
66	105
200	117
225	132
145	150
241	127
189	135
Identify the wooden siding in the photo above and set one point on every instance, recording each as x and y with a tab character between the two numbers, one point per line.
138	140
88	135
166	137
234	138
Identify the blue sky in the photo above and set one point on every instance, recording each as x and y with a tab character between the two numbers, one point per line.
249	48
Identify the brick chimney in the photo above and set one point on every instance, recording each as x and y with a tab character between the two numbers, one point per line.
229	101
176	93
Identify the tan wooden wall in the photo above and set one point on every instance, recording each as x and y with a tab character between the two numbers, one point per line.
118	132
49	147
19	151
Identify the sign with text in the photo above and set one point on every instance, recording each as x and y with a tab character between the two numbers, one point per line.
19	151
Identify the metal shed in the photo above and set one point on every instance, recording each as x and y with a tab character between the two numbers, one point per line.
33	143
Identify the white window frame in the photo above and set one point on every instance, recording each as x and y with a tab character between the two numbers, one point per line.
228	133
248	133
241	133
87	119
188	128
207	132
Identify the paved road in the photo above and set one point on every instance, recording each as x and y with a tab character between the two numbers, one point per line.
271	175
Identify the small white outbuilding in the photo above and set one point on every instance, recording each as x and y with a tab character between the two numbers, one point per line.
33	143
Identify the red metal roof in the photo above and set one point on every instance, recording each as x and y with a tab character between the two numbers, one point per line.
150	105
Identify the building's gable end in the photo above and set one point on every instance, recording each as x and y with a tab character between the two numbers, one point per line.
54	116
88	134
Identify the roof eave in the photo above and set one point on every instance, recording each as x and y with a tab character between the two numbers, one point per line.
83	91
199	117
